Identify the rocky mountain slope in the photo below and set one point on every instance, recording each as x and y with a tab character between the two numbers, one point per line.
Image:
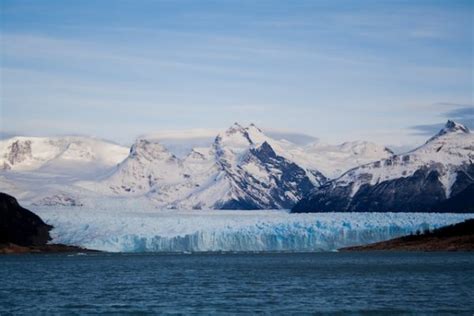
22	231
433	177
240	170
20	226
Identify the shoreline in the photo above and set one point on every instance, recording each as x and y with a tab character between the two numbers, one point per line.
457	237
10	248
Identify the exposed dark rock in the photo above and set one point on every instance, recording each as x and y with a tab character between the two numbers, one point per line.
461	202
419	181
22	231
290	182
417	193
20	226
19	151
327	198
421	192
464	178
58	200
238	204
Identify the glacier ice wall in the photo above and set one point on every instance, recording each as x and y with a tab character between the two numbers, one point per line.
233	231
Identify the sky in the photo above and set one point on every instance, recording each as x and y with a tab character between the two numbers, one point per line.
386	71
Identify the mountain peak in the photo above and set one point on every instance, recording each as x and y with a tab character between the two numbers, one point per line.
236	134
148	149
451	127
235	128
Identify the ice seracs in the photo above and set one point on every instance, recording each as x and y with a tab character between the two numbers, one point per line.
202	231
417	181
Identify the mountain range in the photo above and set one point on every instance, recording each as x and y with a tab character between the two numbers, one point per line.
243	168
437	176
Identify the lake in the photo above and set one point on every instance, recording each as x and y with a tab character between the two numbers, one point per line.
365	283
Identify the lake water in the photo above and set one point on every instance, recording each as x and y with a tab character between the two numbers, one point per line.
394	283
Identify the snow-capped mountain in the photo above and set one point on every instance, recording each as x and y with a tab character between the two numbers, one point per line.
43	170
182	142
58	154
334	160
429	178
249	174
307	151
242	168
147	164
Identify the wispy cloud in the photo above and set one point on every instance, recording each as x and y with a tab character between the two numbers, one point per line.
74	53
360	66
426	129
463	115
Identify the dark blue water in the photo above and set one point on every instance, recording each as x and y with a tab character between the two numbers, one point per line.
396	283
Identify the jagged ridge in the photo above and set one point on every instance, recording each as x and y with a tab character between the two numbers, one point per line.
243	168
418	181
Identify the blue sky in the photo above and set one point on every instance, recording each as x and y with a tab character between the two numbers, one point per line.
387	71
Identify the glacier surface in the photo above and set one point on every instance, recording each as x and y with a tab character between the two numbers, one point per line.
232	231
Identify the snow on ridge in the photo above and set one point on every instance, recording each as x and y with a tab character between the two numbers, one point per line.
23	153
229	172
205	177
260	231
175	141
449	149
331	160
451	127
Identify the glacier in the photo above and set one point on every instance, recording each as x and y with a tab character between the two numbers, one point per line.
232	231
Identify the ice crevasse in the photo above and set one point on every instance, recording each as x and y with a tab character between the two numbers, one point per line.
232	231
